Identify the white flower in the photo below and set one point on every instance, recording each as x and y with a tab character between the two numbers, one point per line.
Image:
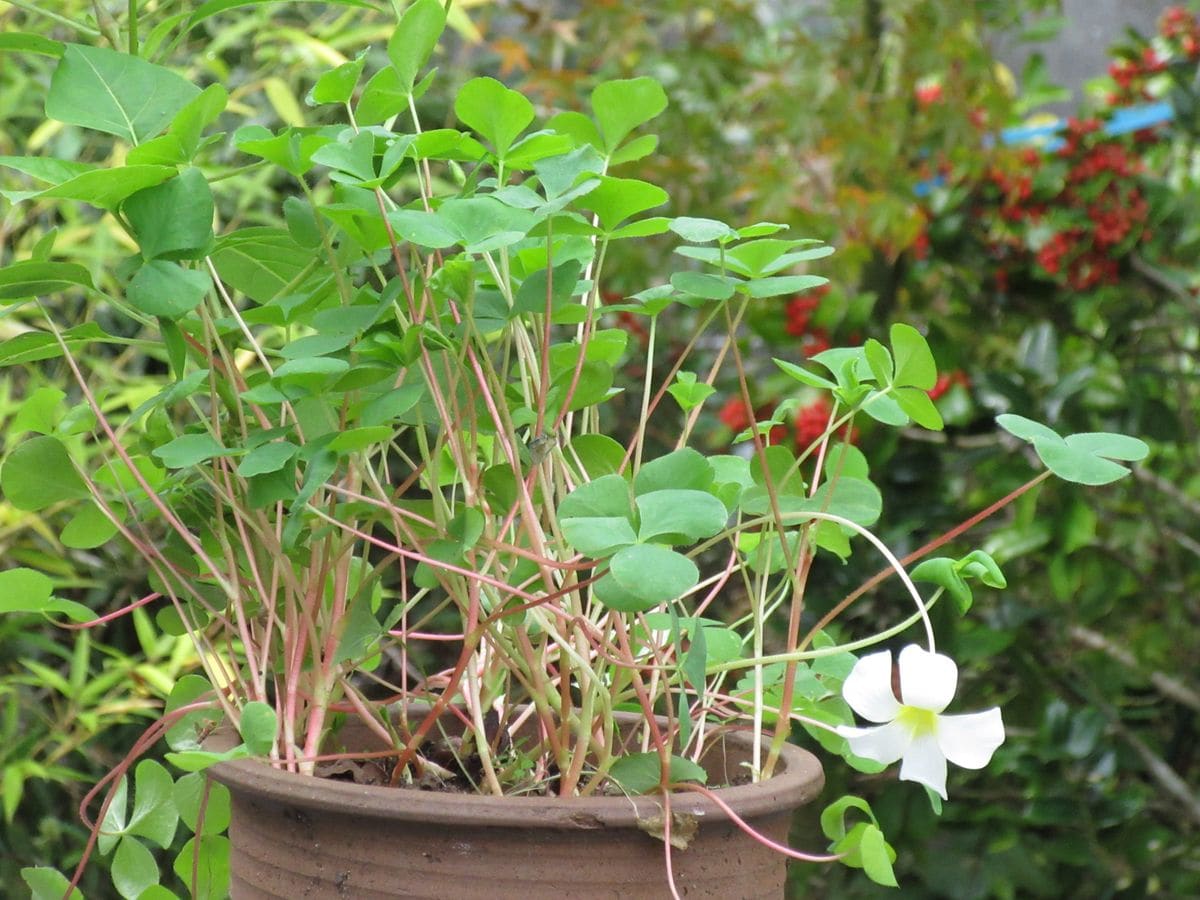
914	729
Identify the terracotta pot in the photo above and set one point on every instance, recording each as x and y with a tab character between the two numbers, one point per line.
298	837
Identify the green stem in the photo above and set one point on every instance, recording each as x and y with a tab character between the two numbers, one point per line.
71	23
133	27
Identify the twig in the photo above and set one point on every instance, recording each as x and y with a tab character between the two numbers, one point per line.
1171	688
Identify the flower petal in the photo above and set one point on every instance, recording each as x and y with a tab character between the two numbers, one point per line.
883	743
970	740
925	763
927	680
868	688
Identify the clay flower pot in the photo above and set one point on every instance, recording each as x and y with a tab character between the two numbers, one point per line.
294	836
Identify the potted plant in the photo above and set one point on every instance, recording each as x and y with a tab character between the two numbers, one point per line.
433	584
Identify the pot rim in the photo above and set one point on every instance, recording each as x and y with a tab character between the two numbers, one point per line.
799	778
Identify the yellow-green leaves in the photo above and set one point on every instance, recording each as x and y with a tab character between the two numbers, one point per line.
496	112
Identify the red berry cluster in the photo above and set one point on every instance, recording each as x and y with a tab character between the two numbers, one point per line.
1089	194
799	312
811	422
1179	32
947	380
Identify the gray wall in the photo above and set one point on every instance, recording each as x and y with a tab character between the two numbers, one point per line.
1080	52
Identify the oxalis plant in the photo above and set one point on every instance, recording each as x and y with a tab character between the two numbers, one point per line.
379	478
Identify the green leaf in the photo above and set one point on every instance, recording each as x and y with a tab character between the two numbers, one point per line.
599	455
833	818
291	149
30	593
803	375
496	112
1081	458
199	760
679	516
189	798
196	115
190	450
652	574
39	473
638	148
621	106
258	727
34	278
607	496
598	536
264	263
183	734
24	590
783	284
208	857
688	393
39	412
914	361
915	403
877	857
106	188
1025	429
484	223
944	573
701	231
306	377
616	199
49	884
704	284
425	229
162	288
267	458
173	220
337	85
133	868
154	815
412	43
383	97
115	93
531	296
25	42
640	773
46	169
89	528
685	468
1077	465
880	362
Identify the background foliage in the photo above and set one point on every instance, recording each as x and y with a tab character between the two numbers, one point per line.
864	123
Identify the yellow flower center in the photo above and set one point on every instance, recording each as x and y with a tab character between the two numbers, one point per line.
918	721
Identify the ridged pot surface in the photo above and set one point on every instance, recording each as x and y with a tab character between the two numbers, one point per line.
298	837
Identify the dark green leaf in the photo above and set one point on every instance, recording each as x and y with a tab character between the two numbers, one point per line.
39	473
115	93
640	773
166	289
33	278
412	42
173	220
653	574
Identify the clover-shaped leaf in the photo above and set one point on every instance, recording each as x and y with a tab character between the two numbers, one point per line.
1085	458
